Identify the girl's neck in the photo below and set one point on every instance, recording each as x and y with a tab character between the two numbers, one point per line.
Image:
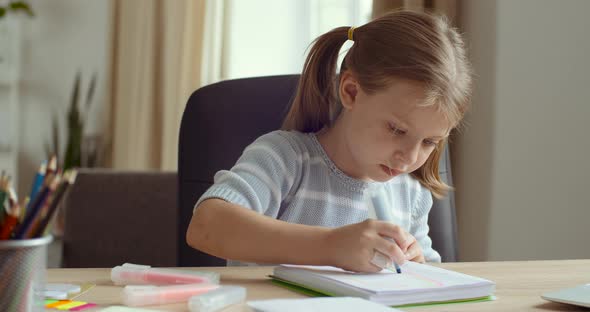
336	147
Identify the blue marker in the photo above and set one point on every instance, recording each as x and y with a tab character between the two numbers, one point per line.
381	212
37	183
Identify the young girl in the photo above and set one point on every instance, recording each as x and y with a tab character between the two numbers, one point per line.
298	195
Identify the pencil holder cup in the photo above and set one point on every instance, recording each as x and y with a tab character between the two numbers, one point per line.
23	265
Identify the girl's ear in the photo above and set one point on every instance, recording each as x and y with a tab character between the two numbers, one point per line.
348	89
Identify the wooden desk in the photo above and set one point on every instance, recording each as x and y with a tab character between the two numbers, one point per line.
519	284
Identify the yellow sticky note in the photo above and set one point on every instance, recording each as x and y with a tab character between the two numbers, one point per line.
57	303
70	305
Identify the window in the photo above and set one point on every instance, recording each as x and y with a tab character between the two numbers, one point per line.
271	37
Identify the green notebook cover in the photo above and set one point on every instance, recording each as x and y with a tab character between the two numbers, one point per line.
320	293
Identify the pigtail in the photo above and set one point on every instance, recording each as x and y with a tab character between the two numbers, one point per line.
316	92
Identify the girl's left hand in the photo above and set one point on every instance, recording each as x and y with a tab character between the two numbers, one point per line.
414	251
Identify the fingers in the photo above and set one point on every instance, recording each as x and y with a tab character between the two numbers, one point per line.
367	262
375	263
410	240
380	260
374	245
401	237
388	247
415	253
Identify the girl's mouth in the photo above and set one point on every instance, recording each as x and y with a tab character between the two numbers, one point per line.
390	172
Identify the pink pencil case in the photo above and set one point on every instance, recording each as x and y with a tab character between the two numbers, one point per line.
135	274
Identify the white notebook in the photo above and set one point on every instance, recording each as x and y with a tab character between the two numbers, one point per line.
579	295
341	304
417	284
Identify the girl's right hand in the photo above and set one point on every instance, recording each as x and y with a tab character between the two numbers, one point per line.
352	247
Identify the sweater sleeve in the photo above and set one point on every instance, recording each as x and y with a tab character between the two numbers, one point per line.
261	178
419	224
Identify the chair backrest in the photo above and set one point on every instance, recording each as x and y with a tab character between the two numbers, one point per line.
113	217
219	121
442	218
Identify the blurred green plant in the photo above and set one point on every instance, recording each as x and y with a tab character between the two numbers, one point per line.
75	127
15	7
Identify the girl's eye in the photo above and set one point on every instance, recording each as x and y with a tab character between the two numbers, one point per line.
396	131
430	143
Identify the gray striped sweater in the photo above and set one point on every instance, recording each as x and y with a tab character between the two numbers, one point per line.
287	175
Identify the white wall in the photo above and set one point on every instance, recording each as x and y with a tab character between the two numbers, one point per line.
521	165
65	36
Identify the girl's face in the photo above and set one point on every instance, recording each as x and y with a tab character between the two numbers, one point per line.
388	132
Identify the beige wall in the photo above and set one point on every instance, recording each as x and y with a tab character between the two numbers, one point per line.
521	165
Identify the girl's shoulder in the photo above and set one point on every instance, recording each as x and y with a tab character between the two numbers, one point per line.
286	141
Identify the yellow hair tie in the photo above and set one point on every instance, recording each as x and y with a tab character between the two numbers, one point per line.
350	31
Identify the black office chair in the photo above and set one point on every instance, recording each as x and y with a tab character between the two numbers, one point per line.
221	119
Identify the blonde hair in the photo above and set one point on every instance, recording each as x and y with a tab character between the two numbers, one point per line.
401	44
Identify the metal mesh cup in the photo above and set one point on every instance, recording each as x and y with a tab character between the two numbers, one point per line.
23	265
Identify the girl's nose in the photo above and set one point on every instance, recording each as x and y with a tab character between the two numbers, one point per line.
407	155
